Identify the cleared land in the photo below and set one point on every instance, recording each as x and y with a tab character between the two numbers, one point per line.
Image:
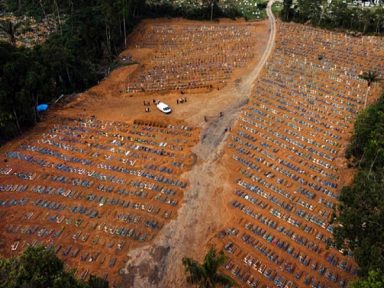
100	176
182	58
94	189
273	184
285	159
255	172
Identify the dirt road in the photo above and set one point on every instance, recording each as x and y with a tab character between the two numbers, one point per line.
203	211
247	83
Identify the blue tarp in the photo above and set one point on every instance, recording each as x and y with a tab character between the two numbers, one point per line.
42	107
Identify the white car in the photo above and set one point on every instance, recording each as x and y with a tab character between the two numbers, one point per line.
164	108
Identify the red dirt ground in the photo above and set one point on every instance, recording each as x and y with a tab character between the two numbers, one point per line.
104	139
291	130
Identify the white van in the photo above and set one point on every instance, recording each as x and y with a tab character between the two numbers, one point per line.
164	108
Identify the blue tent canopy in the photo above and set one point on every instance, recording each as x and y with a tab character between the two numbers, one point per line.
42	107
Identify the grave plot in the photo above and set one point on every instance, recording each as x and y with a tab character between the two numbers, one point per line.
92	190
285	159
192	55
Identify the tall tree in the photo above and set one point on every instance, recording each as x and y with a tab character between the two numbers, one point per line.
9	28
375	279
370	77
287	10
39	267
206	275
309	10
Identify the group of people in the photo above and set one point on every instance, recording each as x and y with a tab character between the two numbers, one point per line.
181	100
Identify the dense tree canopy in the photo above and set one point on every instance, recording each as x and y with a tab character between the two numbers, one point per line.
375	279
335	14
360	221
38	267
69	61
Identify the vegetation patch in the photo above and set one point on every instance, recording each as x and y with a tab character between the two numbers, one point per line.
197	9
25	30
360	220
335	14
40	267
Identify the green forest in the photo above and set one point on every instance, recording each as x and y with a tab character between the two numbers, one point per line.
338	14
360	221
39	267
71	60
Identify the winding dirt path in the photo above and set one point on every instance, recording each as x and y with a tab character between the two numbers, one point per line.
248	82
204	207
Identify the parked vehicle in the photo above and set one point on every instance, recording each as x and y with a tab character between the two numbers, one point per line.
164	108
